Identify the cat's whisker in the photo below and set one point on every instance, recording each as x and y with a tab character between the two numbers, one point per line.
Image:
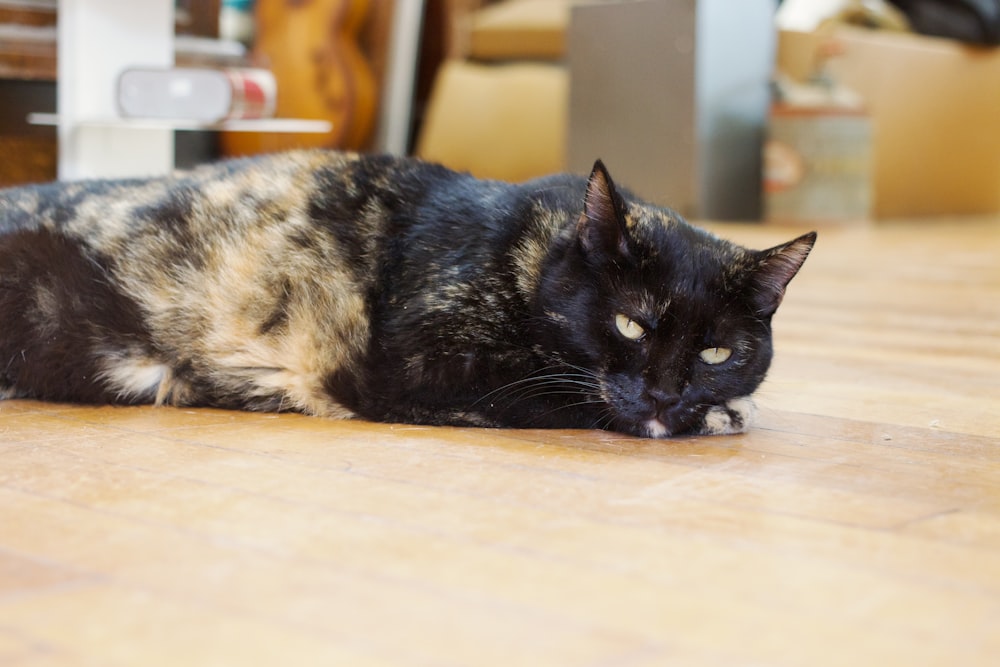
582	384
532	393
585	380
605	420
554	392
567	406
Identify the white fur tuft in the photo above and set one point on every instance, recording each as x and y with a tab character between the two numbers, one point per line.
656	428
137	379
736	416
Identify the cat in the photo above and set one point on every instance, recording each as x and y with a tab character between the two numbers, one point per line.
385	288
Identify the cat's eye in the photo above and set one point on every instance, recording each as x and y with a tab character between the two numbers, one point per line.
715	355
629	327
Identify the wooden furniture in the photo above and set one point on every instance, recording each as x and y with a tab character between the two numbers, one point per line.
858	524
27	75
312	49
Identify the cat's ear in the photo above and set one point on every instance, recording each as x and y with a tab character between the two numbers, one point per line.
601	228
776	269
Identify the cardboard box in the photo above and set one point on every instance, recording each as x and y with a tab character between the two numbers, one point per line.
817	165
520	30
497	121
935	109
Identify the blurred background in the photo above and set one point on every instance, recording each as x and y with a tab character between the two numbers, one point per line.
842	111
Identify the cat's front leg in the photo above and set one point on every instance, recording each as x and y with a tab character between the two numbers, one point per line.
734	416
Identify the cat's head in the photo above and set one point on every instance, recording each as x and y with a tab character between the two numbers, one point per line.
670	319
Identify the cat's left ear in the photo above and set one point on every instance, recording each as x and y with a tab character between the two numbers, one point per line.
601	228
776	269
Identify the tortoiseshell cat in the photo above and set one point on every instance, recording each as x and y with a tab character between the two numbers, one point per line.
388	289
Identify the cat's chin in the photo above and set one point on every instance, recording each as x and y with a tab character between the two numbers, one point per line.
662	426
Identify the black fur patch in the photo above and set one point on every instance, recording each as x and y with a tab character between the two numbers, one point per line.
60	310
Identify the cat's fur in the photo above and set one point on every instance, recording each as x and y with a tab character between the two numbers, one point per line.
384	288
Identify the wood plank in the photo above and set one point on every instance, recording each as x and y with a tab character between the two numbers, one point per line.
858	523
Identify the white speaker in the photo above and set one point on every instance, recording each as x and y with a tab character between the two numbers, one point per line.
196	94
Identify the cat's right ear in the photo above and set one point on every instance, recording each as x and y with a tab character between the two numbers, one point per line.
601	229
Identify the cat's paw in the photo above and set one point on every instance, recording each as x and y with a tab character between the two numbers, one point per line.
736	416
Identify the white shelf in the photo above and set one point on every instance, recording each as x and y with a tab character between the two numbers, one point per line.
256	125
97	40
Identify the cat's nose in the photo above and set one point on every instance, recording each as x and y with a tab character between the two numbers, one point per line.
662	399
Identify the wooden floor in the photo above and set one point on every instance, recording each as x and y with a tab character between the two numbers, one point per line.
859	524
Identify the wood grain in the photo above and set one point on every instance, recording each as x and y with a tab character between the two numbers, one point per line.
859	523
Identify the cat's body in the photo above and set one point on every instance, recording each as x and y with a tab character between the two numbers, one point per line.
387	289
